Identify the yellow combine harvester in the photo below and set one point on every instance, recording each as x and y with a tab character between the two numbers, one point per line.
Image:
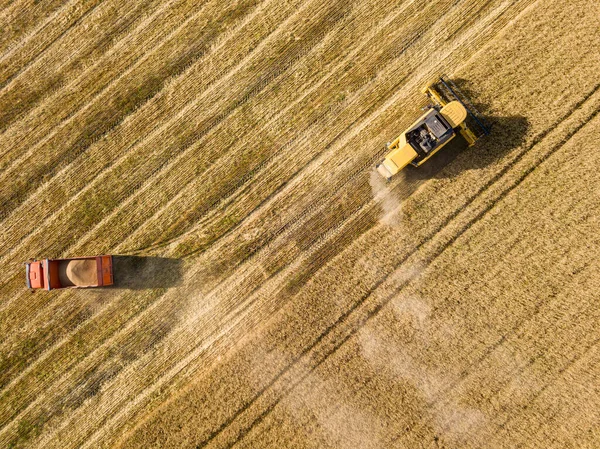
444	119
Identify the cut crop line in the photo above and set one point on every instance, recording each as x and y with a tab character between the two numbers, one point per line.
129	325
246	98
404	48
31	367
38	110
65	61
49	19
36	192
192	147
34	58
249	177
154	132
64	340
110	52
191	102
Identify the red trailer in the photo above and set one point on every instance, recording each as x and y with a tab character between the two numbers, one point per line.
76	272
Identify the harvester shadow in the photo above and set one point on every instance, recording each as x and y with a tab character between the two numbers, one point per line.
146	272
507	133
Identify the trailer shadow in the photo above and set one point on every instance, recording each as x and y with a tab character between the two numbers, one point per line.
507	133
146	272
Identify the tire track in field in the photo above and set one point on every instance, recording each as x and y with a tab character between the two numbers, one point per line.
338	345
438	400
24	62
441	401
379	305
538	140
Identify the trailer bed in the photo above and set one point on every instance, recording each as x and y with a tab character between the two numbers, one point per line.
76	272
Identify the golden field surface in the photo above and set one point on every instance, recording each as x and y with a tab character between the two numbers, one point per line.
271	291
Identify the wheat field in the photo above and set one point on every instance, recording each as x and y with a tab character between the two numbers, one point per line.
271	290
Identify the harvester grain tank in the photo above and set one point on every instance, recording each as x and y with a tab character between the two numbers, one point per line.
444	119
76	272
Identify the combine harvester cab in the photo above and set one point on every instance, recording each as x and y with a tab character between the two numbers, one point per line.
444	119
76	272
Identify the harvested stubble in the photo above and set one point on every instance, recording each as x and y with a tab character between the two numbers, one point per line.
68	56
15	25
305	317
